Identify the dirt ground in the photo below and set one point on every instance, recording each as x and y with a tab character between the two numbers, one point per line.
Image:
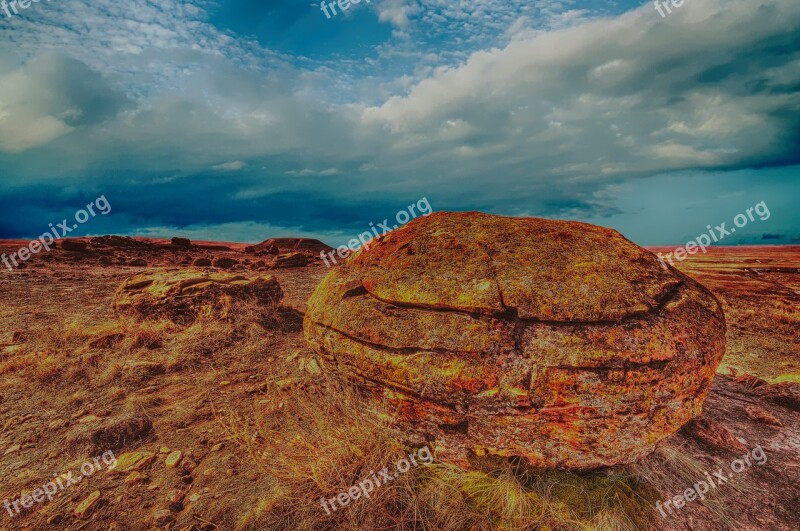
76	382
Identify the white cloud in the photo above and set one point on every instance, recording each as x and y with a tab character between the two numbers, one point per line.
235	165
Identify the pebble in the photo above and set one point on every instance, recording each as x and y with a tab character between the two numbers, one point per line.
173	459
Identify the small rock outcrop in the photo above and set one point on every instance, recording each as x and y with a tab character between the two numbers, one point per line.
188	294
181	242
76	246
560	342
291	260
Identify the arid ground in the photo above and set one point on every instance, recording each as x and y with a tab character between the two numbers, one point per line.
263	432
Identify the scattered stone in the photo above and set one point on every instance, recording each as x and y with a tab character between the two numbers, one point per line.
175	500
202	262
761	415
194	497
162	516
85	508
188	465
173	459
312	366
225	263
217	447
185	295
133	478
224	383
549	340
139	262
715	435
88	419
165	450
55	519
130	461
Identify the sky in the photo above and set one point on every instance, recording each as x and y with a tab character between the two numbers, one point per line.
249	119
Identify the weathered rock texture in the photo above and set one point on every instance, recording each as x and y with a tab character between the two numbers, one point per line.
189	294
291	260
560	342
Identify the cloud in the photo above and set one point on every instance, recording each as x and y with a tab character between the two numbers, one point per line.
235	165
536	109
48	98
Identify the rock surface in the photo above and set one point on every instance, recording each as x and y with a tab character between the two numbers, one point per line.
188	294
291	260
560	342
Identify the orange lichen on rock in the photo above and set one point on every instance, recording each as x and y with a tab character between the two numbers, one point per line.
556	341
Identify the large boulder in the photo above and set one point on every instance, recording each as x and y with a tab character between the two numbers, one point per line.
560	342
184	295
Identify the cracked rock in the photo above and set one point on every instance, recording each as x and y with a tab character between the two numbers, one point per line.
559	342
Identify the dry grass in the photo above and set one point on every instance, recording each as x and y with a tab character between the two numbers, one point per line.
318	439
308	436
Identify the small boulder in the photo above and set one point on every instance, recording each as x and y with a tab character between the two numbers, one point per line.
225	262
139	262
181	242
184	295
202	262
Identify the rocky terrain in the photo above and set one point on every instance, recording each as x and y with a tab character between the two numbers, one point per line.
231	421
